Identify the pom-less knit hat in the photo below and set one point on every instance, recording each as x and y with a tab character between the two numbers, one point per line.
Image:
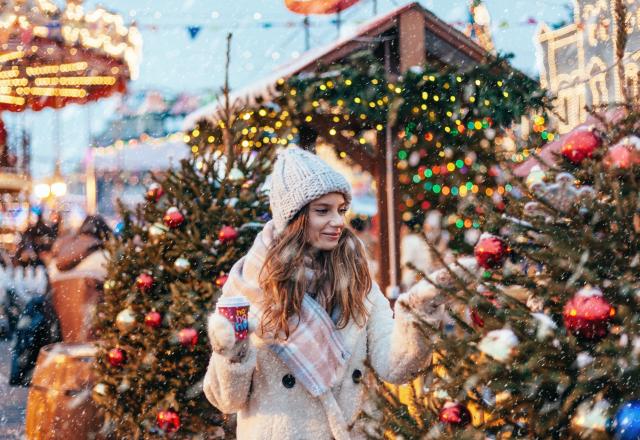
299	177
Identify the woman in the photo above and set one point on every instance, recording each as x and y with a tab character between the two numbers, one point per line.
81	255
37	324
320	317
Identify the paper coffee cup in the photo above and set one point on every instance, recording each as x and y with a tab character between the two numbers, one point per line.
236	310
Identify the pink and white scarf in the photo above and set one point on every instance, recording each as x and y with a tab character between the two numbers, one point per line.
315	351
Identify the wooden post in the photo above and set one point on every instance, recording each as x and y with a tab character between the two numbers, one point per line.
388	214
412	40
383	249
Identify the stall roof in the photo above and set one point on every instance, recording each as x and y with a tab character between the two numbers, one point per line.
265	89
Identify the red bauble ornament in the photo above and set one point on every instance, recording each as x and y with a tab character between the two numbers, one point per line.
154	192
153	319
144	282
168	420
227	233
188	337
587	314
623	155
116	357
490	251
454	413
173	217
580	144
221	280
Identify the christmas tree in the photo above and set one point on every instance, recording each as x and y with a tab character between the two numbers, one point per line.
541	338
165	274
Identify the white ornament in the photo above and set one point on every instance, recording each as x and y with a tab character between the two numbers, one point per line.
236	175
499	344
591	417
583	359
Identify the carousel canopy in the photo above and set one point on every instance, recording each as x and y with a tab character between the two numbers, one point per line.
51	57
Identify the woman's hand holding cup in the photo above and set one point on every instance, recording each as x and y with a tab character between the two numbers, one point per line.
228	327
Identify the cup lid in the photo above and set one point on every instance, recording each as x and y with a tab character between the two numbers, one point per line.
232	301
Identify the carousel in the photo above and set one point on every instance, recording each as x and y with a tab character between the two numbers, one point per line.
50	57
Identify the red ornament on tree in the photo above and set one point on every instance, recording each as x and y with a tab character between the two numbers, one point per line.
624	154
188	337
587	314
144	282
580	144
227	233
153	319
116	357
221	280
490	251
454	413
168	420
173	217
154	192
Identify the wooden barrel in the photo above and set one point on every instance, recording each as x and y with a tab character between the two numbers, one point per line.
60	404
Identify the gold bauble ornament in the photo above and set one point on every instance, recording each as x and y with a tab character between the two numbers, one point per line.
100	392
126	320
156	232
182	265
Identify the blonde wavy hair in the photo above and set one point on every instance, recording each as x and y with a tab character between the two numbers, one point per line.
344	280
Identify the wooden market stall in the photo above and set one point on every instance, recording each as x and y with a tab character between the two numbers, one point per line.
404	37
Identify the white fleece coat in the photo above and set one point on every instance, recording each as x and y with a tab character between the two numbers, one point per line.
271	405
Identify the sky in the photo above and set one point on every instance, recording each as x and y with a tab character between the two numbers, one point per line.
265	35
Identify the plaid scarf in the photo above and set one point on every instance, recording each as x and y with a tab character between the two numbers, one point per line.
314	352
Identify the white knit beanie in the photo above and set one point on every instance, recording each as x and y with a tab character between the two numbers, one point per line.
298	178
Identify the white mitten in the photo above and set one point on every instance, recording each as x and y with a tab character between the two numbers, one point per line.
465	269
223	338
424	298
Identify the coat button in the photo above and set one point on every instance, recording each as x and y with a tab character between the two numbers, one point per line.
288	381
356	376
